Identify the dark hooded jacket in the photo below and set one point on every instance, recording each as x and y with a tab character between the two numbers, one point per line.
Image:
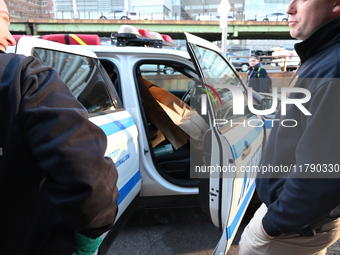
310	190
54	177
258	79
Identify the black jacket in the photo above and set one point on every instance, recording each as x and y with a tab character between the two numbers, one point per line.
294	203
258	79
54	177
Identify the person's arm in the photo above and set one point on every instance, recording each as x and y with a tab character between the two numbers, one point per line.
303	201
80	181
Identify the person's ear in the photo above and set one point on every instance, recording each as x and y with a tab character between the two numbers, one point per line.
336	7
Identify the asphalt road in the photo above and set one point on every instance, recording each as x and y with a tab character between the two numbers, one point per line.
183	231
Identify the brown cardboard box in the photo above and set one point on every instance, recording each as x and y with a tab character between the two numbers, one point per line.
176	111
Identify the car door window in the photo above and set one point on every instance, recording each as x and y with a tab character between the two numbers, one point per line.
172	77
82	75
218	73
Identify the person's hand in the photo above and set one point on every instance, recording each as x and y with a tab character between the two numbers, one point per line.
86	245
265	233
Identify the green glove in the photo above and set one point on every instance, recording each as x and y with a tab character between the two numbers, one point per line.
86	245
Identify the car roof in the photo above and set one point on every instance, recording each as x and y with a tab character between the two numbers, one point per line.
133	50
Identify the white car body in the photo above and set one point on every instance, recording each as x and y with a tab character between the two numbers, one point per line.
115	105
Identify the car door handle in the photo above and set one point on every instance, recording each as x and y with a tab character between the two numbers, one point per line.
246	151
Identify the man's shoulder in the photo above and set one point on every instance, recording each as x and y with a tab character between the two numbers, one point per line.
262	72
327	62
260	68
5	55
14	59
324	64
18	62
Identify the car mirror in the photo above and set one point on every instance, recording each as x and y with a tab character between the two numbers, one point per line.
266	103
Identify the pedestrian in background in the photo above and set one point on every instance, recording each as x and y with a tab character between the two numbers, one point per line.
258	78
58	192
300	210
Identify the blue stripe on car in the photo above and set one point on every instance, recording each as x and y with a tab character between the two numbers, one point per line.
268	123
248	139
112	128
238	217
126	189
117	125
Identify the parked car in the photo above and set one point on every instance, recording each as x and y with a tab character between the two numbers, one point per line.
277	16
133	15
213	17
120	14
159	162
240	63
230	18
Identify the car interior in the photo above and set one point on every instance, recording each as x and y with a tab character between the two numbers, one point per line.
164	89
165	96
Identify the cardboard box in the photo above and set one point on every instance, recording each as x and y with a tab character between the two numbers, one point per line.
180	114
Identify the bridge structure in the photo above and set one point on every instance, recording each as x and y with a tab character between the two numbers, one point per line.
209	30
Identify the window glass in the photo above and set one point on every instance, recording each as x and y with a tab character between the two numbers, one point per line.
82	76
174	78
218	73
96	98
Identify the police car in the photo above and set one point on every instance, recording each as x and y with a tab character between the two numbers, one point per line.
169	121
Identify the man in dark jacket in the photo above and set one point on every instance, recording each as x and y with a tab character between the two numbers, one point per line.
300	211
57	190
258	78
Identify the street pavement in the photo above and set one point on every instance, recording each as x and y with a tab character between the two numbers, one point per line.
182	231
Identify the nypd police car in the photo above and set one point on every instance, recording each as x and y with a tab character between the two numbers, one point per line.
169	123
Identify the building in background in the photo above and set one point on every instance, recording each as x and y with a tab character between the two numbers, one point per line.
261	10
207	9
152	9
148	9
94	9
33	9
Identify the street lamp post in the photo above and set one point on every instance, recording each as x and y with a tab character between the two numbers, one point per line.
223	10
75	10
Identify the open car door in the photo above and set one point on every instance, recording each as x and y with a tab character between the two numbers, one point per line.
91	85
231	147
